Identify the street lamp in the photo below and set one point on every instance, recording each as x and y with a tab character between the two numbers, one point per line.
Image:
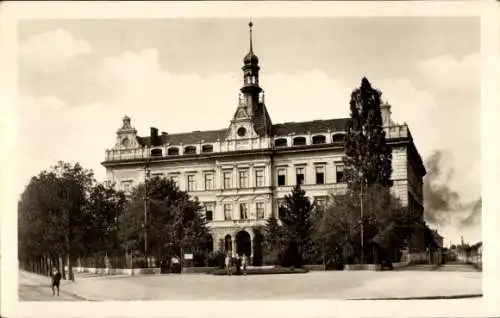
362	216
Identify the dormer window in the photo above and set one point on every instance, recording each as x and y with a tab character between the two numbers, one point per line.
338	137
207	148
190	150
156	152
174	151
318	139
281	142
299	141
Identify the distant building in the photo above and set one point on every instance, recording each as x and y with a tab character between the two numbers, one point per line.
242	173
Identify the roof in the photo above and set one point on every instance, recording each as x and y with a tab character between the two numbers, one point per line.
210	136
315	126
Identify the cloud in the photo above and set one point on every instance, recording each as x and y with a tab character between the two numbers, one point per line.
451	75
58	45
49	131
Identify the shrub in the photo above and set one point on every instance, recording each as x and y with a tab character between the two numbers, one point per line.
266	271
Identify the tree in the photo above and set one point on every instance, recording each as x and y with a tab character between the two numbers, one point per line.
368	167
258	241
297	227
366	151
104	207
273	241
333	231
175	222
52	216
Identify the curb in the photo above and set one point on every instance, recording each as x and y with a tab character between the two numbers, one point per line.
422	297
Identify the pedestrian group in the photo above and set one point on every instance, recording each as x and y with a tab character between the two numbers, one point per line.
241	264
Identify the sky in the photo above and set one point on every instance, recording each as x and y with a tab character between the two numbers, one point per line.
78	78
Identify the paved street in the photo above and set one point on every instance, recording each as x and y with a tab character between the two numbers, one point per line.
416	282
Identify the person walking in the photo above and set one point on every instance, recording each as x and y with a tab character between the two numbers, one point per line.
56	281
228	264
244	264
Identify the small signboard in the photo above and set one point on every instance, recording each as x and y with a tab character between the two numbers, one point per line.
188	256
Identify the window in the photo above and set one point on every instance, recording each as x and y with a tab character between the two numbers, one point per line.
228	176
209	211
300	175
207	148
126	186
190	150
339	173
320	201
228	212
174	151
175	179
243	179
209	181
320	175
156	152
299	141
157	175
282	142
191	183
243	211
338	137
318	139
281	209
281	177
259	178
259	207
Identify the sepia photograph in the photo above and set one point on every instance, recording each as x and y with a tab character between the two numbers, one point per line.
249	158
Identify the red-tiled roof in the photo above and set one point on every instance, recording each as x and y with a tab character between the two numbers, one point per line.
209	136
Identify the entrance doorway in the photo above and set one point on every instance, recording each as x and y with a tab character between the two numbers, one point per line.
243	243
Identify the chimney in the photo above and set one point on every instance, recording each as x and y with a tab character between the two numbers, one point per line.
154	136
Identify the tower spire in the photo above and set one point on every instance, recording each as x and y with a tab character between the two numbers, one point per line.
250	25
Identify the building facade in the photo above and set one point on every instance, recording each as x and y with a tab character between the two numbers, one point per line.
241	173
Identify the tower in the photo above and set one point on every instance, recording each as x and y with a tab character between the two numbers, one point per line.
251	88
251	119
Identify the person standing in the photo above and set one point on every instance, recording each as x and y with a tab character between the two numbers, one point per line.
228	264
244	264
56	281
238	264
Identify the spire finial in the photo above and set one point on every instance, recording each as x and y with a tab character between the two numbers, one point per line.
250	25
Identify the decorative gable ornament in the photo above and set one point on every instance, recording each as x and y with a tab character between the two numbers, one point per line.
241	113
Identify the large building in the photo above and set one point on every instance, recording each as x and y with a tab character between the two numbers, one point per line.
241	173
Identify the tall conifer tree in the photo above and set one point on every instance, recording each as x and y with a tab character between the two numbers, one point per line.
367	153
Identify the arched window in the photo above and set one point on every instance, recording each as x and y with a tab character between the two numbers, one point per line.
338	137
299	141
282	142
190	150
156	152
318	139
207	148
174	151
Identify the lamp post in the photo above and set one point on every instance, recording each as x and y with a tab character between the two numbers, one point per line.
361	217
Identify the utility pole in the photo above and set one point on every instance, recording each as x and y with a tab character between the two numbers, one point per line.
362	218
70	274
146	207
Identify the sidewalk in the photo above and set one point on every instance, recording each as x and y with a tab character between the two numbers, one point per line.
419	285
35	287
